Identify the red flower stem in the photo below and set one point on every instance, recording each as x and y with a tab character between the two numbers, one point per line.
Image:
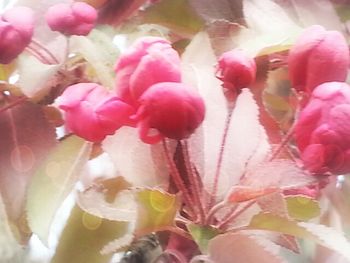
234	215
194	185
178	180
214	190
213	211
38	55
13	103
283	144
48	52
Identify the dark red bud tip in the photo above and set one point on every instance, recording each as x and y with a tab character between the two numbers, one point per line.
236	70
172	109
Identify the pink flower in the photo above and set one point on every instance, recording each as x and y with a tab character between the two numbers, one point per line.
318	56
322	131
92	112
236	70
77	18
149	61
16	31
173	109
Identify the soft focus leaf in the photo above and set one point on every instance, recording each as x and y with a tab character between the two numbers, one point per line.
315	12
115	12
242	248
26	138
269	177
269	28
230	10
320	234
202	235
199	72
140	164
101	54
109	199
84	236
53	181
176	15
302	208
37	86
156	211
247	144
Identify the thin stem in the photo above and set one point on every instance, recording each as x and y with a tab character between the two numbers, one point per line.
194	185
221	155
12	104
37	54
177	179
283	144
213	211
234	215
48	52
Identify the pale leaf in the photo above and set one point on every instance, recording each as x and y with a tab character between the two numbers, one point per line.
122	208
199	72
53	181
269	177
246	144
99	51
242	248
140	164
28	67
269	28
315	12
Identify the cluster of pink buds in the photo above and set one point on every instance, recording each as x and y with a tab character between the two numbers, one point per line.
150	96
318	56
77	18
92	112
16	31
318	65
322	131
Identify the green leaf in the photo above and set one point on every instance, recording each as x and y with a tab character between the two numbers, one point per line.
202	235
156	210
84	236
53	181
320	234
302	208
176	15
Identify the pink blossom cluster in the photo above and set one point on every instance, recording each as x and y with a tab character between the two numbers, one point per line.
17	26
149	95
318	65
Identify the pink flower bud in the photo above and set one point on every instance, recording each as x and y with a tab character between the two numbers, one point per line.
173	109
92	112
149	61
322	131
318	56
16	31
236	70
77	18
